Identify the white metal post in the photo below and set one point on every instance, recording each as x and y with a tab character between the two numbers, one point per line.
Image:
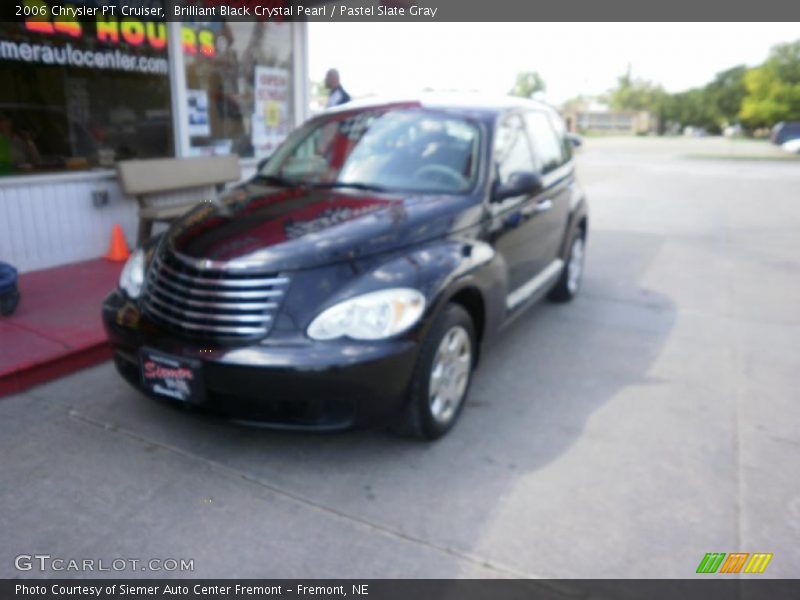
300	62
177	84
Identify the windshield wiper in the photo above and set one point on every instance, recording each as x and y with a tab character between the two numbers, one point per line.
354	184
277	180
284	181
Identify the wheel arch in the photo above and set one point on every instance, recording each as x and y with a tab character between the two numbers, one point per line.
578	220
470	297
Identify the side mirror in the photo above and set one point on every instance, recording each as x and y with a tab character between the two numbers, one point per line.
520	183
575	140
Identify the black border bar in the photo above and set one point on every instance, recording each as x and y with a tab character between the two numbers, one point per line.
702	588
443	10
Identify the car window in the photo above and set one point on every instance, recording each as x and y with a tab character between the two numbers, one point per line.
395	149
548	147
512	151
561	132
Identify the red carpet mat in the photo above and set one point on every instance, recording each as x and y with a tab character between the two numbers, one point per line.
57	328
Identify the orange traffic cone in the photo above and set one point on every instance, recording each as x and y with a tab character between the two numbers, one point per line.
118	250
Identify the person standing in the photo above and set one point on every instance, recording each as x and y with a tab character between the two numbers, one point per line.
338	95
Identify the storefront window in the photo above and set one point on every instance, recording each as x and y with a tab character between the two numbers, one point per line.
239	87
83	94
75	95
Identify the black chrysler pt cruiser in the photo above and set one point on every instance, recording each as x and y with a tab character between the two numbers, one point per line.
354	278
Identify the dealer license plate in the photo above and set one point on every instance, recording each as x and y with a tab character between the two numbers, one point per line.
171	376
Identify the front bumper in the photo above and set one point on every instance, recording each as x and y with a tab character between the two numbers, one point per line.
283	381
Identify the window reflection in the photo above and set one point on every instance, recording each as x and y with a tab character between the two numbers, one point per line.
240	98
71	100
396	149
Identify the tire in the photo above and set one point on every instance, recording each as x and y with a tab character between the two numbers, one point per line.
569	282
427	417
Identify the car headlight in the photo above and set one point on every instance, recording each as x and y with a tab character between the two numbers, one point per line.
131	280
371	316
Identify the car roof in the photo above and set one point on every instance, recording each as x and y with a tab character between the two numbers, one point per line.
466	103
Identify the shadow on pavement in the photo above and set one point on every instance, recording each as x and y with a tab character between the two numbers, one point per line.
532	397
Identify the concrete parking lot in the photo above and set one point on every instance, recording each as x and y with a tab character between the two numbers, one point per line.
625	435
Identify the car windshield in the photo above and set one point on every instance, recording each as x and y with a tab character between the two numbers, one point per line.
384	150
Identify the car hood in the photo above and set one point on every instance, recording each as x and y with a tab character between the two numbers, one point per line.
284	228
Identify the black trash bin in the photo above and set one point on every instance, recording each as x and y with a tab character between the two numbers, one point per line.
9	294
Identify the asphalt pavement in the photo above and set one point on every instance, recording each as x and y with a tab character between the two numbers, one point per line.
653	420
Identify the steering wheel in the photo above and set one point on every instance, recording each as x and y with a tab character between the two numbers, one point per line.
440	174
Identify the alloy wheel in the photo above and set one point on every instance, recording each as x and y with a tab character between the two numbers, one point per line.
450	374
575	266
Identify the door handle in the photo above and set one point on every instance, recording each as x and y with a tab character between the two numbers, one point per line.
534	209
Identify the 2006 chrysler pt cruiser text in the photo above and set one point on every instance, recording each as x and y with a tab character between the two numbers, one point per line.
353	280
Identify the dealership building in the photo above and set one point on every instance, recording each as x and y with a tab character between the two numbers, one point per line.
77	96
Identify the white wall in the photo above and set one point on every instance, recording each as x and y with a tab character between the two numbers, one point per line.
48	221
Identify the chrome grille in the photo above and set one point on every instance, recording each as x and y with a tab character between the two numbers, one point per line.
211	302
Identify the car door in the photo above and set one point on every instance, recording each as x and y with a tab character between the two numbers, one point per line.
515	222
553	156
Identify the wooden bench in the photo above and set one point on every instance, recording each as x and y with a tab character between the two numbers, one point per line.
149	180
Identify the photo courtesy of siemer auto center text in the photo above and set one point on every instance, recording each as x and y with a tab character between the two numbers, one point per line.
399	300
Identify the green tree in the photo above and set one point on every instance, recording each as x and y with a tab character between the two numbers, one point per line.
528	83
726	93
785	60
773	89
692	107
712	106
636	94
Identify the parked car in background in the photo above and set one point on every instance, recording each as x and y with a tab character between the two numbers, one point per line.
733	131
785	131
354	280
792	146
692	131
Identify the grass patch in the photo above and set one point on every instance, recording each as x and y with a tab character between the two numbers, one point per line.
761	157
612	134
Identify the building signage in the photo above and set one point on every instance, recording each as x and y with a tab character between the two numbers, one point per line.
197	113
111	30
271	121
50	36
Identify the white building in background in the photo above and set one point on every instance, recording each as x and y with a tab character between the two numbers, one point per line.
594	117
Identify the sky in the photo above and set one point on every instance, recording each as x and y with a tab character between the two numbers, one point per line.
573	58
